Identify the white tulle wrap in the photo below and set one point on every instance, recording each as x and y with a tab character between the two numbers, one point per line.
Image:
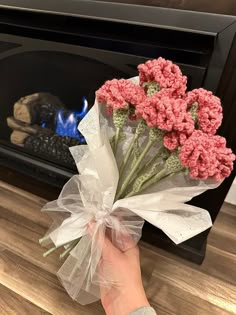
89	197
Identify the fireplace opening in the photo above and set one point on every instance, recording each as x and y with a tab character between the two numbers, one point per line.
47	91
48	87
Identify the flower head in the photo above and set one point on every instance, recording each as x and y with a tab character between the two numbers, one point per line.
225	158
162	111
206	156
172	140
165	73
117	94
209	109
180	133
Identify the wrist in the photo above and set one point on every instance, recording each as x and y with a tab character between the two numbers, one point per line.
134	299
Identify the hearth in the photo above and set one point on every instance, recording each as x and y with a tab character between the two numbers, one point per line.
54	55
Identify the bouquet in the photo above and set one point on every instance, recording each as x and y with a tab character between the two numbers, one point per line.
151	147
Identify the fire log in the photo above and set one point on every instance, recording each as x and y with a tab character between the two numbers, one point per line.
30	129
37	108
18	137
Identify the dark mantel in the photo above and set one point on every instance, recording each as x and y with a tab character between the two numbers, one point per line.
226	7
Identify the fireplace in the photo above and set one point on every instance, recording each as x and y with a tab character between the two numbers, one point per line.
54	56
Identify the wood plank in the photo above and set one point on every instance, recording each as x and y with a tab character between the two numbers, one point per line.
225	242
21	192
147	266
223	233
226	224
217	263
23	241
39	287
23	204
229	209
204	287
23	221
14	304
165	297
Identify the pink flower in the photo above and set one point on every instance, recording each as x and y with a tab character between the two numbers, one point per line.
186	125
180	133
206	156
116	94
161	111
225	158
165	73
209	111
174	139
171	140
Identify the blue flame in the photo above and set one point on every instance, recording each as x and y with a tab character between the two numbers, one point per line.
68	125
84	108
67	122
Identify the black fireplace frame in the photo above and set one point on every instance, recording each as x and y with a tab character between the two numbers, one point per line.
221	27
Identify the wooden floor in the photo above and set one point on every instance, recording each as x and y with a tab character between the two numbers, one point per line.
28	284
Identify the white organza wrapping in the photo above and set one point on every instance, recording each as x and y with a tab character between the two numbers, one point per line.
89	197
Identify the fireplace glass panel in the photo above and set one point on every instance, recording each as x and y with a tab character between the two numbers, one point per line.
47	88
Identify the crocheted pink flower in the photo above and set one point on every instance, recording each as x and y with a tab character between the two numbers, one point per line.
180	133
225	158
165	73
206	156
209	111
174	139
116	94
171	140
161	111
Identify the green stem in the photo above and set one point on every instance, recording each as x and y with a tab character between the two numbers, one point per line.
172	165
150	182
69	249
50	251
127	155
146	166
43	239
117	137
133	170
141	127
120	117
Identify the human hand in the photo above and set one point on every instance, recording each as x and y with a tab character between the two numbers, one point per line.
122	270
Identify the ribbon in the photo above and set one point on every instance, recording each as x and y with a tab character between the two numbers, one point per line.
79	274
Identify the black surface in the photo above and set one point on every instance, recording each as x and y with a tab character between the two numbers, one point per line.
133	14
39	169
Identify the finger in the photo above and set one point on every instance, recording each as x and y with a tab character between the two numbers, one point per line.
108	250
122	237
